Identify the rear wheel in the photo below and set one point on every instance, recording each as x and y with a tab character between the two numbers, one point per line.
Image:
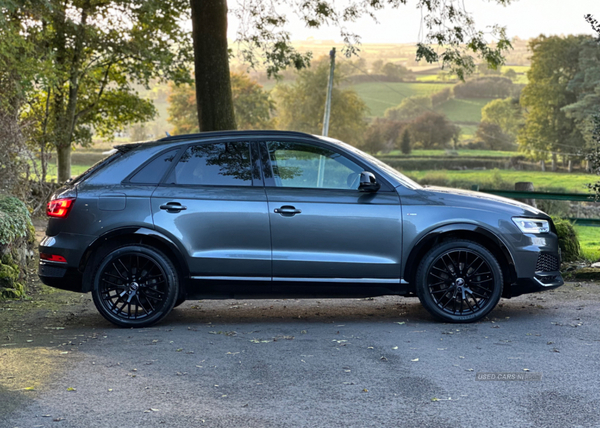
135	286
459	281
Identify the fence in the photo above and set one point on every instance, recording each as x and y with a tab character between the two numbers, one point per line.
573	197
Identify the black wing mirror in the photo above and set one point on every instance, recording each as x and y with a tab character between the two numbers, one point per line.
368	182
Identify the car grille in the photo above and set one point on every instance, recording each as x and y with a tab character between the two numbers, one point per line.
547	263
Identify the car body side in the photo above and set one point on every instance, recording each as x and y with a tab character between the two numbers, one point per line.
114	212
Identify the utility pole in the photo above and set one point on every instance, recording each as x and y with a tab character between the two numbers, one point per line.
329	88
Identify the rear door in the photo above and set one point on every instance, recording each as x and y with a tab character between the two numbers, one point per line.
213	202
323	229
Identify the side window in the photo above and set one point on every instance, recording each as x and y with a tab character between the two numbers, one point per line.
154	171
307	166
216	164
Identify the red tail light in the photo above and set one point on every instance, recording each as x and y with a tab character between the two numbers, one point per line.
53	258
59	207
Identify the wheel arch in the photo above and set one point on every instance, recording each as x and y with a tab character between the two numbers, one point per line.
472	232
132	235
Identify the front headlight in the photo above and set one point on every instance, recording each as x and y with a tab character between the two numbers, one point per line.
532	225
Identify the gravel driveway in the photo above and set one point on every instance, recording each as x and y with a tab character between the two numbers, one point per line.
379	362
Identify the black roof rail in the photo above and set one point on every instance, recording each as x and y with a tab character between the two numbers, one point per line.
233	133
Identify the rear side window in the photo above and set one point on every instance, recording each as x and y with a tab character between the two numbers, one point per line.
154	170
216	164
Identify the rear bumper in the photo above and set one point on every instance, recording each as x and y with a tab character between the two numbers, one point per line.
60	276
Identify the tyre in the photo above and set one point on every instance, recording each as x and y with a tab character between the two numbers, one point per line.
135	286
459	281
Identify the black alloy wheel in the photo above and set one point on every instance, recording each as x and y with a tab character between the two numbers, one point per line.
459	281
135	286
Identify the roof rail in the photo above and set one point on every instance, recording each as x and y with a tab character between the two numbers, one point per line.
233	133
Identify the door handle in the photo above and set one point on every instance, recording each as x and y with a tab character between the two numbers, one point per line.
173	207
287	210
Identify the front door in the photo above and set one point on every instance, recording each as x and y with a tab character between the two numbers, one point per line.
214	203
323	229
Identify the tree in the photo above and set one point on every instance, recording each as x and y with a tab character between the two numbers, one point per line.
505	113
252	105
410	108
485	87
451	38
554	64
432	131
301	105
96	52
493	136
405	143
396	72
382	135
593	155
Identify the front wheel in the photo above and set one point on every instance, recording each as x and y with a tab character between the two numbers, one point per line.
459	281
135	286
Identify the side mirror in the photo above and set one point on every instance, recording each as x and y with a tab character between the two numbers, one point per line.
368	182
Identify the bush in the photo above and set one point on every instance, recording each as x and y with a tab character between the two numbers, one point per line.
567	240
16	240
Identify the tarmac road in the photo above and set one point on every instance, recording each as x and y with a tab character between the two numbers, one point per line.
379	362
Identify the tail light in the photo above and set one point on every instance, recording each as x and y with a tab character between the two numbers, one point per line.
59	207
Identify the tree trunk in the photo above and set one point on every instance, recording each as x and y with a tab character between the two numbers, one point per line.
63	161
543	165
570	163
554	160
211	63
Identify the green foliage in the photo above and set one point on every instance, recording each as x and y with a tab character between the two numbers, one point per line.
15	221
93	55
555	63
450	38
506	113
15	224
252	105
567	240
301	105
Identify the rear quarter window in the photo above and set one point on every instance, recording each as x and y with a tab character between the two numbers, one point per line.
154	170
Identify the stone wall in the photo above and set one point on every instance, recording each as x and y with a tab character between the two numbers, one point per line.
16	247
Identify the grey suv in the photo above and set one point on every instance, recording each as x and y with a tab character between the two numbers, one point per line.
261	214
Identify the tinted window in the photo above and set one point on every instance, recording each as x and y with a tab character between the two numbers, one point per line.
154	171
308	166
218	164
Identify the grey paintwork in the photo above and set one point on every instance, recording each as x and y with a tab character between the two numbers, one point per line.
234	233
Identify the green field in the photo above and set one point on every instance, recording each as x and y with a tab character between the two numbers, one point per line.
463	110
463	153
381	96
504	179
589	239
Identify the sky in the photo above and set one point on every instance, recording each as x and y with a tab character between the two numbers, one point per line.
523	18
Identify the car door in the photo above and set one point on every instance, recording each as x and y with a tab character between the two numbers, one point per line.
323	229
213	202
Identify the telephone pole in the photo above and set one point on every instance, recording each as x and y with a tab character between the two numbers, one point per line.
328	100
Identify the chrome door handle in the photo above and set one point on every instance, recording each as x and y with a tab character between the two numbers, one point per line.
287	210
173	207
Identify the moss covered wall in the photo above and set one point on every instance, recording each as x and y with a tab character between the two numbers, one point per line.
16	244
